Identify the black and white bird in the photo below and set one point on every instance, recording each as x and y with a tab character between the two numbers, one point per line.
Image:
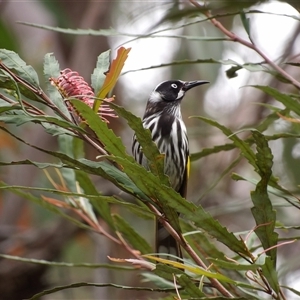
163	118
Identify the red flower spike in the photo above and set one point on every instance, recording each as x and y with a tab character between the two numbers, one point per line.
71	85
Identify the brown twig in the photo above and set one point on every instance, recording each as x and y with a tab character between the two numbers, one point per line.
233	37
215	283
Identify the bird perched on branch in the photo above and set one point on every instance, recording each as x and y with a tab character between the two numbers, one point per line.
163	117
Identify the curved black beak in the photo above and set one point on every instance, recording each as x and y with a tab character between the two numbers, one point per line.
190	84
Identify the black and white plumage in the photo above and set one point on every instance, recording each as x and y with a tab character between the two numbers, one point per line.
163	118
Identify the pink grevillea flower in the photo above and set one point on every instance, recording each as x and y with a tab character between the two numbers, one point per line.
71	85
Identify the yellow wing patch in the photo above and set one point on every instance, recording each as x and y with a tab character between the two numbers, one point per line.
188	166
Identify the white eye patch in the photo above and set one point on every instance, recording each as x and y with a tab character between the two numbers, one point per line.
180	94
174	85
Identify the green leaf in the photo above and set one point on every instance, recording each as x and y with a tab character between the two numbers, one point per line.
208	151
167	272
273	188
52	70
12	61
98	76
270	273
139	210
245	22
150	150
233	266
189	286
131	235
30	162
102	169
89	188
112	75
262	211
193	269
242	145
150	185
112	143
100	32
285	99
168	198
22	118
199	237
43	204
297	292
67	264
83	284
66	145
252	67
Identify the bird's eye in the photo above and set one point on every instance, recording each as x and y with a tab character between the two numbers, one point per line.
173	85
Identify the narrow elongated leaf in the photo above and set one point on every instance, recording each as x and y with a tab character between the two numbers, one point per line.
100	32
22	118
270	273
83	284
98	76
201	239
67	264
89	188
136	240
166	271
262	211
102	169
43	204
255	67
208	151
112	75
66	145
274	189
30	162
112	143
192	269
296	292
51	69
139	210
246	23
150	150
15	63
243	146
189	286
168	198
150	184
285	99
233	266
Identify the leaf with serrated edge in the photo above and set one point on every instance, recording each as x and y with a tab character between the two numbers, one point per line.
285	99
112	143
270	273
98	76
263	212
135	239
112	75
189	286
150	150
150	185
13	61
51	69
89	188
243	146
192	269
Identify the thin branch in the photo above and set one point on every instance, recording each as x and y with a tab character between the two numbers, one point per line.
233	37
179	237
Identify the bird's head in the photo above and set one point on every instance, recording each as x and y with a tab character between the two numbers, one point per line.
173	90
166	97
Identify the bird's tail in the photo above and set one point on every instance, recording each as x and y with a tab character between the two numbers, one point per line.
165	243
